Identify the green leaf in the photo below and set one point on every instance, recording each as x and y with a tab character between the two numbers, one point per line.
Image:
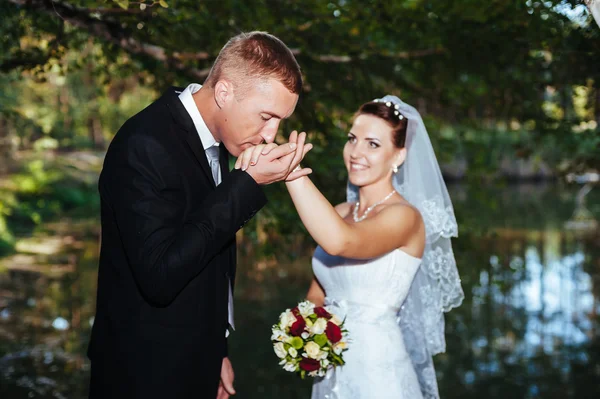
321	339
124	4
163	4
336	358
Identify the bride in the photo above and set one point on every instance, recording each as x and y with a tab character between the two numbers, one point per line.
384	260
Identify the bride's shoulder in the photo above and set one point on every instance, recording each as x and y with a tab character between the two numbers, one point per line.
404	211
343	209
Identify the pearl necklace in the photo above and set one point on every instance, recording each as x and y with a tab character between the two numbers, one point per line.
369	209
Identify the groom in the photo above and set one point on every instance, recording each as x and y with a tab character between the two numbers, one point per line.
170	210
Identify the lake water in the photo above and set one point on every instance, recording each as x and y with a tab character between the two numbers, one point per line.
529	258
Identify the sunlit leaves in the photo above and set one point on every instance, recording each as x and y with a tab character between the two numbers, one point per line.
124	4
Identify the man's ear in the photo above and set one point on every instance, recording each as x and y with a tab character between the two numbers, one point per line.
223	93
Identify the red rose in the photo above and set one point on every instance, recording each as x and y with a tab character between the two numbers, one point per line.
333	332
321	312
298	327
309	364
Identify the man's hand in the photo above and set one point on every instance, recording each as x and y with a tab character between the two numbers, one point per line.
226	384
268	163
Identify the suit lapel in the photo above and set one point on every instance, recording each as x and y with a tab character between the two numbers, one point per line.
223	161
188	131
192	139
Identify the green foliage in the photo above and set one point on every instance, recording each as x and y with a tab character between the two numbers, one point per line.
497	82
7	202
461	63
43	190
462	60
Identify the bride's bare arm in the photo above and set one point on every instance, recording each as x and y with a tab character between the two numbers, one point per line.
391	228
315	293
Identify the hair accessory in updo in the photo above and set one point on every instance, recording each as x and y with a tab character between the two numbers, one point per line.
390	104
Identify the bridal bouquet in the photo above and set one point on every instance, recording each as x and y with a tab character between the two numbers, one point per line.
309	340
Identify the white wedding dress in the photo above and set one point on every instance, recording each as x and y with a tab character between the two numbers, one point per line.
368	293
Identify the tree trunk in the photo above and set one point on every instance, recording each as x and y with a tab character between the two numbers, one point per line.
95	131
93	118
67	122
567	103
5	145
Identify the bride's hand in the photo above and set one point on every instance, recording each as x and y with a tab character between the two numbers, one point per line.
249	157
297	173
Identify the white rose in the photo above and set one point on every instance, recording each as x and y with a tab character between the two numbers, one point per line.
289	367
274	334
293	352
287	318
306	308
339	347
324	363
322	355
312	350
336	320
279	350
305	335
278	335
319	326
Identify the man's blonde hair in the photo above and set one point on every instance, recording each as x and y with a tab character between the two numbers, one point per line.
257	55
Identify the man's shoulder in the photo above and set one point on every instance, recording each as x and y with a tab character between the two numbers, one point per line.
151	120
148	130
156	114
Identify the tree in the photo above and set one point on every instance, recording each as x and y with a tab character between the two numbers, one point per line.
461	63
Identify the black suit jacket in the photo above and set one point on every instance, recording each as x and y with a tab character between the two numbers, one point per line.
167	253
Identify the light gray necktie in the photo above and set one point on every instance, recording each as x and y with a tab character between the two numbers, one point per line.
212	154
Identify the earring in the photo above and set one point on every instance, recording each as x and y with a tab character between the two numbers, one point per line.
395	168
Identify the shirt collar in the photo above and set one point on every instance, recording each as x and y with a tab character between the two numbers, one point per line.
206	137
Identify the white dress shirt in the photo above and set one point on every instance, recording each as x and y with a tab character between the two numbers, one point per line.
208	141
187	100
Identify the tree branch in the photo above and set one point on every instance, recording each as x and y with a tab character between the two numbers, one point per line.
114	11
338	59
24	60
104	10
111	31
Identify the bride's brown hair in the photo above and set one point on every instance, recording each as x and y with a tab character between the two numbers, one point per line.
389	114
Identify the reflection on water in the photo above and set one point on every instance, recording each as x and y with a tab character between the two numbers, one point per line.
537	306
528	327
560	297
